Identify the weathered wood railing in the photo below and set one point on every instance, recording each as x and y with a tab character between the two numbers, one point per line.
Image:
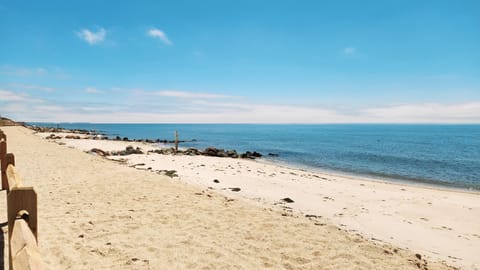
22	214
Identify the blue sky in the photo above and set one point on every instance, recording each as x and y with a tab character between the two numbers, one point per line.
240	61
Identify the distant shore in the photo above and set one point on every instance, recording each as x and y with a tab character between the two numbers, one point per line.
409	216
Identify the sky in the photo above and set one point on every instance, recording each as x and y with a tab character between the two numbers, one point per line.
240	61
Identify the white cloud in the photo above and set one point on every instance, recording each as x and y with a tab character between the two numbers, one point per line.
6	95
33	87
468	112
190	107
189	95
92	38
157	33
21	71
50	108
349	51
92	90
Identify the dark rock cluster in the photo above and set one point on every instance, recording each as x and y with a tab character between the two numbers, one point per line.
129	150
58	130
53	137
126	139
72	137
209	151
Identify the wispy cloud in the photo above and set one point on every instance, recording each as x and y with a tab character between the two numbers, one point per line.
468	112
32	87
349	51
22	71
6	95
157	33
92	90
91	37
189	95
172	106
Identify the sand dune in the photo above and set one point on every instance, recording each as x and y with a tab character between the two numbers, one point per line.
100	214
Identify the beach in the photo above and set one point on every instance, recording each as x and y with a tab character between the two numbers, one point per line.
225	213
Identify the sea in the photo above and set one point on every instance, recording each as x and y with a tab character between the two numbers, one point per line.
438	155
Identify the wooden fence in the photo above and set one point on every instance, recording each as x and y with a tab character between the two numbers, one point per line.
21	213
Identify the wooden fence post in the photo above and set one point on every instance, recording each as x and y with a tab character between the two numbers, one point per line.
22	198
24	252
8	159
3	163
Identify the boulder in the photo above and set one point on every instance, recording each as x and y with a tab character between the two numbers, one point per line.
99	152
222	153
251	155
232	154
192	152
211	151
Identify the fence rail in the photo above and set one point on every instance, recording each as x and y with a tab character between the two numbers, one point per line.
22	214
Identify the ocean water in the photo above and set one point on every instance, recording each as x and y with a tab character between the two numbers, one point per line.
447	155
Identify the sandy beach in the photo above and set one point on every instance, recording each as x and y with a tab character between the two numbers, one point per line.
225	213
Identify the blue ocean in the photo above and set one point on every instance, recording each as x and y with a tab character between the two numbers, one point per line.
446	155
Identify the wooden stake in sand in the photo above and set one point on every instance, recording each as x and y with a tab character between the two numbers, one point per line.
176	141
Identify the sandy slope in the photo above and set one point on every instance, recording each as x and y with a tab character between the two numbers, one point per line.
99	214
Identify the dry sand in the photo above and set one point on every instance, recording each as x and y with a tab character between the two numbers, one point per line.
99	214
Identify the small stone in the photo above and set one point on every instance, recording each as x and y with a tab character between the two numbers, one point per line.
216	181
287	200
81	236
418	256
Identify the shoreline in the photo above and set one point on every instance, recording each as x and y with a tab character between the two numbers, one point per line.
372	178
408	208
376	177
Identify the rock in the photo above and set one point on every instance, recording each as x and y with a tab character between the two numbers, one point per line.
99	152
169	173
117	138
251	155
256	154
125	139
273	155
216	181
129	150
222	153
192	152
418	256
287	200
235	189
232	154
53	137
211	151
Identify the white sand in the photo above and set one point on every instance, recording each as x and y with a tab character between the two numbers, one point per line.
96	213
